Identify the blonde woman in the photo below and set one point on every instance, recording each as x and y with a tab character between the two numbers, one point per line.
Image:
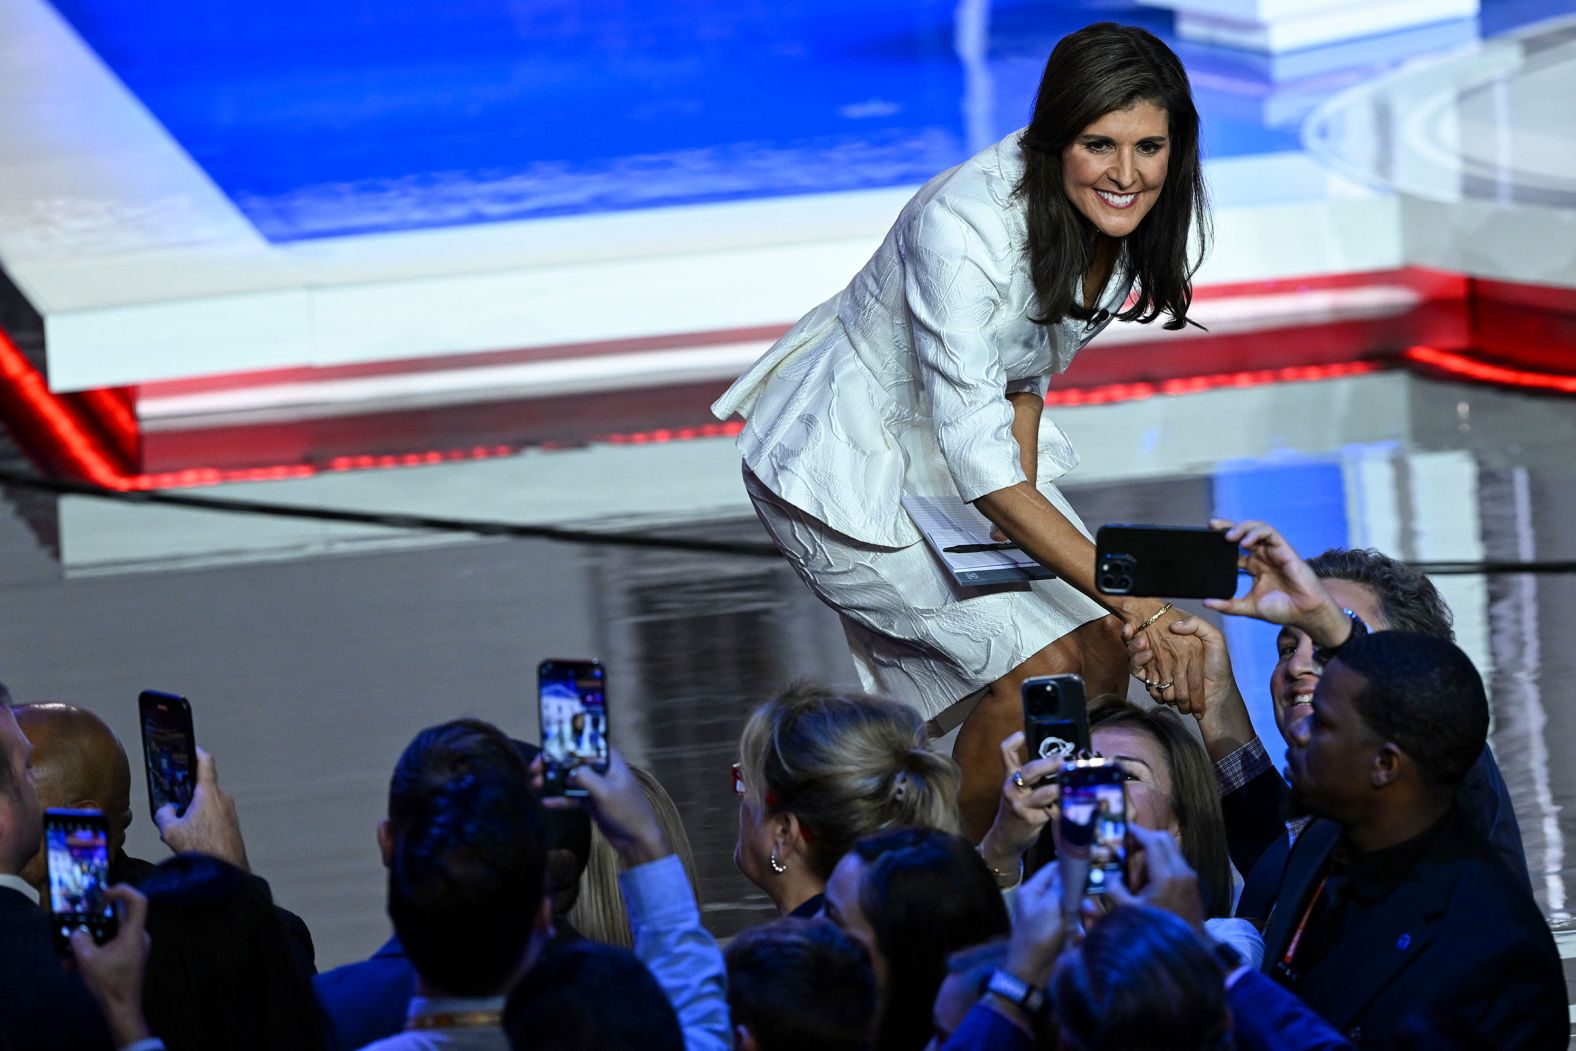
819	770
599	913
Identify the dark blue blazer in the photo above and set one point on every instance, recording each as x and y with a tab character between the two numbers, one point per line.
366	1001
43	1006
1458	945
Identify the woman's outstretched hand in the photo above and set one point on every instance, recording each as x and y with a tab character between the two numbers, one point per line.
1170	664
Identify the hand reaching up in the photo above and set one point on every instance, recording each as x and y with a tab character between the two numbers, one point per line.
210	824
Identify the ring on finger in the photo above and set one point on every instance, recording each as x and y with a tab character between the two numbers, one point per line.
1164	685
1017	779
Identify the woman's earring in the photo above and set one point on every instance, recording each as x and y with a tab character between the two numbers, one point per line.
777	866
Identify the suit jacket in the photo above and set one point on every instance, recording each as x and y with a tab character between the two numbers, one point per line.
1458	943
1255	818
43	1006
895	384
363	1002
366	1001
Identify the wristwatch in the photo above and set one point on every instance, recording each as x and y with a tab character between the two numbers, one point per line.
1017	991
1324	654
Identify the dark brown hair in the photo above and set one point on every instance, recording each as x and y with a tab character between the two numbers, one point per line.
1095	71
1195	796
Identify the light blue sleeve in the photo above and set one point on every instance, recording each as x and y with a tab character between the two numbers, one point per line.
679	952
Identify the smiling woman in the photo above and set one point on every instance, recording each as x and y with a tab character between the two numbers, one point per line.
927	376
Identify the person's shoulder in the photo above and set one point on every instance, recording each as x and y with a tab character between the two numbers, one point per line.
976	197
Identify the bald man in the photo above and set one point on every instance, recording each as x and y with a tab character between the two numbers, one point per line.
78	762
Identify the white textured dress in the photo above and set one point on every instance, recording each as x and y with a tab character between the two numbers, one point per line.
898	384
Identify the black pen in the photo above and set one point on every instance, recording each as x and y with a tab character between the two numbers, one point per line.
969	549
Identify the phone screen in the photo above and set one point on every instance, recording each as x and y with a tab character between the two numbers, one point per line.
168	749
77	842
573	700
1094	818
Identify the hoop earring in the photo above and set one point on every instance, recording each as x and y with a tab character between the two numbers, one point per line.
777	866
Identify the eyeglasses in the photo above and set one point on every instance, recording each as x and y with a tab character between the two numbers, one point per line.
738	779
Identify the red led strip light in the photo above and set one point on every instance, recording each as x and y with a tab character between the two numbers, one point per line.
1485	372
74	449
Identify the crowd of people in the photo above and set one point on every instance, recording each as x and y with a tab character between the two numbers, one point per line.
1383	901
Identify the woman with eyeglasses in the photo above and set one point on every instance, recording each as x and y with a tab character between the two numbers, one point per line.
819	770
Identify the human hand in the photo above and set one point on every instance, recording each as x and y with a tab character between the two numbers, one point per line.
1223	714
1024	809
113	972
617	805
1161	877
1040	925
1285	589
210	824
1170	664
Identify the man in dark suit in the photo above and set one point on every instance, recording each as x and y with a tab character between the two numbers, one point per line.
1394	910
1384	594
43	1007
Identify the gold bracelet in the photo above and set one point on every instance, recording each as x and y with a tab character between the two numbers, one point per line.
1015	878
1153	617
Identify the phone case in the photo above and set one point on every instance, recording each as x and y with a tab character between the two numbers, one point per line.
1165	562
1055	717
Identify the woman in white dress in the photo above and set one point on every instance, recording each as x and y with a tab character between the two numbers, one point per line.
929	371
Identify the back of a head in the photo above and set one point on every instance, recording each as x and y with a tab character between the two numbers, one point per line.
467	883
441	754
1195	794
1141	981
1408	600
599	912
220	969
846	765
585	995
799	984
1422	693
926	894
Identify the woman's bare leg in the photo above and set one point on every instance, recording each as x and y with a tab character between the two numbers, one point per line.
1094	651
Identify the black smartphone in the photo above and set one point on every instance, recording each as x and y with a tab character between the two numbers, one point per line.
169	749
572	703
1094	820
1165	561
1055	717
77	842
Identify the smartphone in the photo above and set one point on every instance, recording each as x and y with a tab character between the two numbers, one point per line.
572	699
169	749
1055	717
77	842
1165	561
1094	820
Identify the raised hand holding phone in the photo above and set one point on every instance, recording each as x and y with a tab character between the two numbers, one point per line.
617	805
210	824
1028	795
